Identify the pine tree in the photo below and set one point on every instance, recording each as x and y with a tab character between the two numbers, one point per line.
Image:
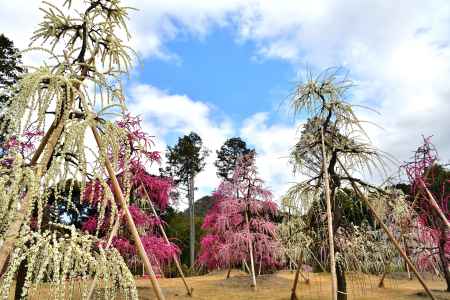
11	70
184	161
228	155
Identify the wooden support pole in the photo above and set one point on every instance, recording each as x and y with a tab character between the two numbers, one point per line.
297	266
388	232
229	272
297	273
294	287
326	184
250	249
163	232
385	271
407	253
434	204
131	225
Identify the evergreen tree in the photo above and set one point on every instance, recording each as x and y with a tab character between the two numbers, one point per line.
184	161
10	71
228	155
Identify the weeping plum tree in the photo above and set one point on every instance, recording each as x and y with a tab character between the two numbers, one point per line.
240	226
61	105
427	177
332	130
140	184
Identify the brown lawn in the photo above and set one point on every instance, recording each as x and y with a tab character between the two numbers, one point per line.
277	286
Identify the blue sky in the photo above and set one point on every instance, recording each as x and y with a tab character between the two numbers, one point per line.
223	72
222	68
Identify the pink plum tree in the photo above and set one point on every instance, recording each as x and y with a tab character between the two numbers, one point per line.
428	178
240	227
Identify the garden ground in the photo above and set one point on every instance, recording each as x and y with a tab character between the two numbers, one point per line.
277	287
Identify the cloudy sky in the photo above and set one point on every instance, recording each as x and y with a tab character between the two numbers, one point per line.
225	68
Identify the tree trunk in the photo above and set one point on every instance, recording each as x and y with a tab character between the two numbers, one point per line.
191	220
341	282
443	259
250	249
20	279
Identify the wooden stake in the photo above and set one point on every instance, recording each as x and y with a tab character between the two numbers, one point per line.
175	258
250	249
330	220
131	226
389	234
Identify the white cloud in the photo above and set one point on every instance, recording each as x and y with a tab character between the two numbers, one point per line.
166	114
397	52
273	144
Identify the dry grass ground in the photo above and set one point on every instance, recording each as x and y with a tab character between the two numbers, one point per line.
274	287
277	287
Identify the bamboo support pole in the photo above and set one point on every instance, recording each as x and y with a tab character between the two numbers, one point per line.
175	258
297	273
381	283
229	272
294	287
297	266
131	225
407	253
250	249
388	232
434	204
334	290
